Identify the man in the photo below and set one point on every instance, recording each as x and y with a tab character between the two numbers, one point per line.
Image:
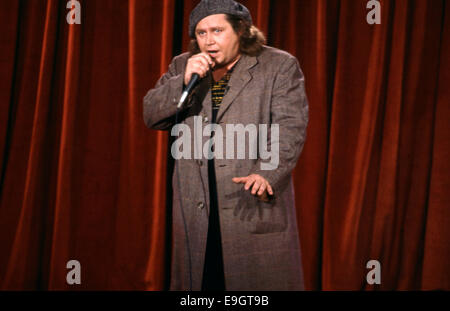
234	222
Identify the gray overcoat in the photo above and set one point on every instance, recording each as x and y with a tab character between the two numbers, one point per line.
261	249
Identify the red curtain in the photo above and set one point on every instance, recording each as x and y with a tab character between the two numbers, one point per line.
83	179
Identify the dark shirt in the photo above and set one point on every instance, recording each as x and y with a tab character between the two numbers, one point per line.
218	90
213	273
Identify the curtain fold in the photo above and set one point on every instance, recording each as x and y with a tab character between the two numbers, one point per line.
82	178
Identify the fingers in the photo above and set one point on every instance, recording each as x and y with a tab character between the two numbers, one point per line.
259	185
269	189
249	183
256	186
239	180
206	57
262	189
202	61
200	64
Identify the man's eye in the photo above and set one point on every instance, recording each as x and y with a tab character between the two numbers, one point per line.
218	30
201	33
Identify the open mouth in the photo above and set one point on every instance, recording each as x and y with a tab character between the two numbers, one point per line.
213	53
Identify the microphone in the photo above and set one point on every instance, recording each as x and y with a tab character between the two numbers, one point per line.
194	79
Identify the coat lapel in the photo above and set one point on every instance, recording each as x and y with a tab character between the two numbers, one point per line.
239	79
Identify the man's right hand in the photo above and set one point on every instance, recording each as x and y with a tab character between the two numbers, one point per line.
200	64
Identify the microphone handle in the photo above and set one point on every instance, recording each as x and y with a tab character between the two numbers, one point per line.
194	79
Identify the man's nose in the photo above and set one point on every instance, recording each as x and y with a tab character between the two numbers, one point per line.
210	39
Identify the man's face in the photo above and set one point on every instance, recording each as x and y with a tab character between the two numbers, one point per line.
216	36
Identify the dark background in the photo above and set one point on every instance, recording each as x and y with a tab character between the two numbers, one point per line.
81	177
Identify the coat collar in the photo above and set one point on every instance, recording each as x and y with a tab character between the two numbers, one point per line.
239	79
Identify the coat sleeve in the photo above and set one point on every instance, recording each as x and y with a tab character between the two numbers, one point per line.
160	103
289	110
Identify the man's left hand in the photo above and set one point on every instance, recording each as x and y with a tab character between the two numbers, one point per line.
261	186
